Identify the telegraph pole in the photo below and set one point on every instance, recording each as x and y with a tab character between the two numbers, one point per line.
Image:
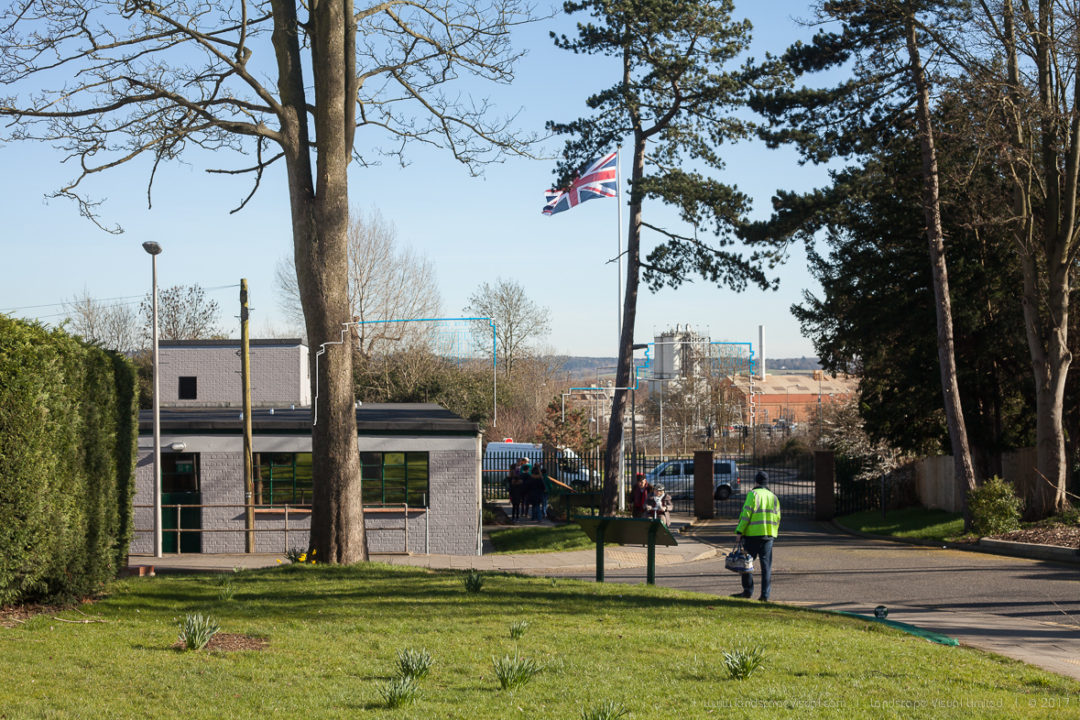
245	380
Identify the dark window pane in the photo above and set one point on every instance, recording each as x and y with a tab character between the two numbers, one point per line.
179	472
303	479
372	493
188	389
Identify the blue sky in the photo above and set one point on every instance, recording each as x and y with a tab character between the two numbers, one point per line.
472	229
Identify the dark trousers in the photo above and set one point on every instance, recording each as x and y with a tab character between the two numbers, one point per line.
759	548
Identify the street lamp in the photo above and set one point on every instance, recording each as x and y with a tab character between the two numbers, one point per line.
154	249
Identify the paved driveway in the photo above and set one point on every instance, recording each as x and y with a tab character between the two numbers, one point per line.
1026	609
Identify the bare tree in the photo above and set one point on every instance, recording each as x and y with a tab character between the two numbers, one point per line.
386	282
288	83
110	325
1040	107
518	320
184	313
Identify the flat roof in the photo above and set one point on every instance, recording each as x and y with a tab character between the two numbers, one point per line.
280	342
371	419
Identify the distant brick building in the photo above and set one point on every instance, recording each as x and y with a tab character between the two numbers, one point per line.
792	398
420	463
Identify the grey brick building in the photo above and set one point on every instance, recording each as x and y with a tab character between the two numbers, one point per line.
420	462
206	373
419	455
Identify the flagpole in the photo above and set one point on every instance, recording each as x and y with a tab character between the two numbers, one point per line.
618	255
618	201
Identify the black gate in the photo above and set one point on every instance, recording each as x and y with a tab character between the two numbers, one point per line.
791	478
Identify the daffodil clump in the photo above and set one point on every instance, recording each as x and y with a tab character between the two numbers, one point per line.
304	557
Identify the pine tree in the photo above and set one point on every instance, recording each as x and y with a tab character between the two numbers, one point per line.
674	100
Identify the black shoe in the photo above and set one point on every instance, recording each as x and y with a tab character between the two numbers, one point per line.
742	595
763	599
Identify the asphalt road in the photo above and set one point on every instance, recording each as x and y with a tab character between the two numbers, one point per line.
1027	609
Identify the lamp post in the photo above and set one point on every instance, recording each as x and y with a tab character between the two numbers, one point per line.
154	249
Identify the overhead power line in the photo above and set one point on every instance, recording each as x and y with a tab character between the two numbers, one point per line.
134	299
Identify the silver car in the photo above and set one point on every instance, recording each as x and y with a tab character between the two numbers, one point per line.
677	476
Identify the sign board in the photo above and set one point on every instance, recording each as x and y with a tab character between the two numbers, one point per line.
626	531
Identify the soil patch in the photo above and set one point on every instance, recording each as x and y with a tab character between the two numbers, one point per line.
14	615
1059	535
228	642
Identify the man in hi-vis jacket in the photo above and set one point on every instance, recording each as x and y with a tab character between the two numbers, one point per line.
759	524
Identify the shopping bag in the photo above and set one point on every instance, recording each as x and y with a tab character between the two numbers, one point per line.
738	560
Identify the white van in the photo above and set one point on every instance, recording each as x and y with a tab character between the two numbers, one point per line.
677	477
568	468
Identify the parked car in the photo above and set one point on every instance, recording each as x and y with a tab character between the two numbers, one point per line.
677	477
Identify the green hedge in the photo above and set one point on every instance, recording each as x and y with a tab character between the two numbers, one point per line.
68	431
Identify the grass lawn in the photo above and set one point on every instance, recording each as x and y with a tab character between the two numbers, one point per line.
540	538
334	634
917	523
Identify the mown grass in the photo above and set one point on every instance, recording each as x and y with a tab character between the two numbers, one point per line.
335	634
915	523
540	539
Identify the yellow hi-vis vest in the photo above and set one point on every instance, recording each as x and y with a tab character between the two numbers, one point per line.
760	514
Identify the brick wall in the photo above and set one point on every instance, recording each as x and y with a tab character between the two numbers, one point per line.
279	375
450	525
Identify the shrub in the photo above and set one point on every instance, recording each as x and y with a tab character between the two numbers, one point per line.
742	662
400	691
196	631
995	508
414	663
68	429
514	672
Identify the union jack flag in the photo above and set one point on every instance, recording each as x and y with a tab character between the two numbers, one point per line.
596	181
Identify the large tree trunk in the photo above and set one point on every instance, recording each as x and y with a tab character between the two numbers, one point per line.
963	468
1050	366
320	219
1045	261
613	457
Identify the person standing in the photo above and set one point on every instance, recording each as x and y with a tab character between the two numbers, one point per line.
534	491
639	496
759	524
517	493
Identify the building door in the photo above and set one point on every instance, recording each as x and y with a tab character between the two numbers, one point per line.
180	488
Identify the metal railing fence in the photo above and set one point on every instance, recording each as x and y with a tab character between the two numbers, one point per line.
265	522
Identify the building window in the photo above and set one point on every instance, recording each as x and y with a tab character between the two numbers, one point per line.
283	479
394	478
179	472
189	388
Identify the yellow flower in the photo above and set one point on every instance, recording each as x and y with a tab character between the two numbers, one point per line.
303	557
279	561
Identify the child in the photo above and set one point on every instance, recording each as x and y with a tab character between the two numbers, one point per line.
659	506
